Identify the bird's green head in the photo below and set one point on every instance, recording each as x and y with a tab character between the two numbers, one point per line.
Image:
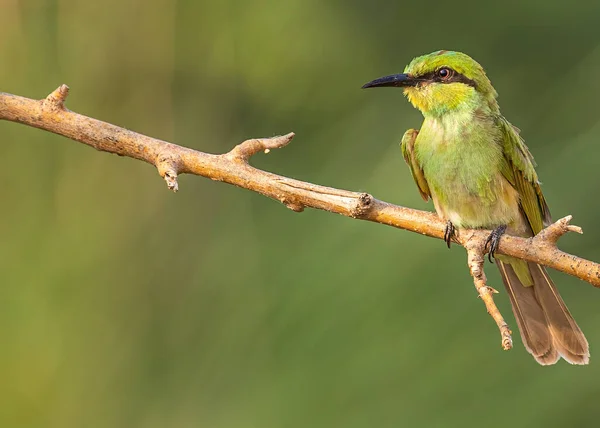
442	82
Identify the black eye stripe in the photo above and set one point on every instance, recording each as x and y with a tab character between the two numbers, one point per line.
455	77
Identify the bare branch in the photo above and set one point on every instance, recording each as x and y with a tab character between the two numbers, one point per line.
172	160
551	234
249	148
475	258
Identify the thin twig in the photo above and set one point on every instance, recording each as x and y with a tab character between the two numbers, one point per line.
475	258
172	160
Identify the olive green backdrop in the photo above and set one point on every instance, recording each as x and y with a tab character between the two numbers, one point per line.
125	305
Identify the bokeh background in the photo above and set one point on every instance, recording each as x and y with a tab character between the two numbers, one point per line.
125	305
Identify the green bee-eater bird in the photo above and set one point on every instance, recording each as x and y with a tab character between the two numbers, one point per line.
480	174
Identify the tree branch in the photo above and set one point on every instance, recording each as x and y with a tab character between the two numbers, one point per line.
475	259
172	160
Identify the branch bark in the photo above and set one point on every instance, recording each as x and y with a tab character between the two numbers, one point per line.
233	167
475	260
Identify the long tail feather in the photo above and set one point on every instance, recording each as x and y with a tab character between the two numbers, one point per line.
569	340
547	328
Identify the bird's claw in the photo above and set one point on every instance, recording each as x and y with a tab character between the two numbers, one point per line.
494	240
449	232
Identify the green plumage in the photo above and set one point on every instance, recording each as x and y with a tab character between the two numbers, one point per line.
518	168
479	173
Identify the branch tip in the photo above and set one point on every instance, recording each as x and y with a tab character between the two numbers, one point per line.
506	333
245	150
171	181
553	232
56	99
168	168
281	140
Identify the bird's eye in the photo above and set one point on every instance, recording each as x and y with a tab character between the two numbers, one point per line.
445	73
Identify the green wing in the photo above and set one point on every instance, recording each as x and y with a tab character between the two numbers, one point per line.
519	169
408	145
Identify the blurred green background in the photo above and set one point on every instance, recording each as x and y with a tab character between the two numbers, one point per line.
125	305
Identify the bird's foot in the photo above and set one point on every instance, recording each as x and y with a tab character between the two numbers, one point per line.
449	232
494	240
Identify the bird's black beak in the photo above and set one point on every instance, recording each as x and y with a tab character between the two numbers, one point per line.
397	80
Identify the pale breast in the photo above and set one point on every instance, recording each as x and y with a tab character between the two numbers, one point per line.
461	161
466	209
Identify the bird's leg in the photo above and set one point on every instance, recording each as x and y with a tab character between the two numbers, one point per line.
449	233
493	240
